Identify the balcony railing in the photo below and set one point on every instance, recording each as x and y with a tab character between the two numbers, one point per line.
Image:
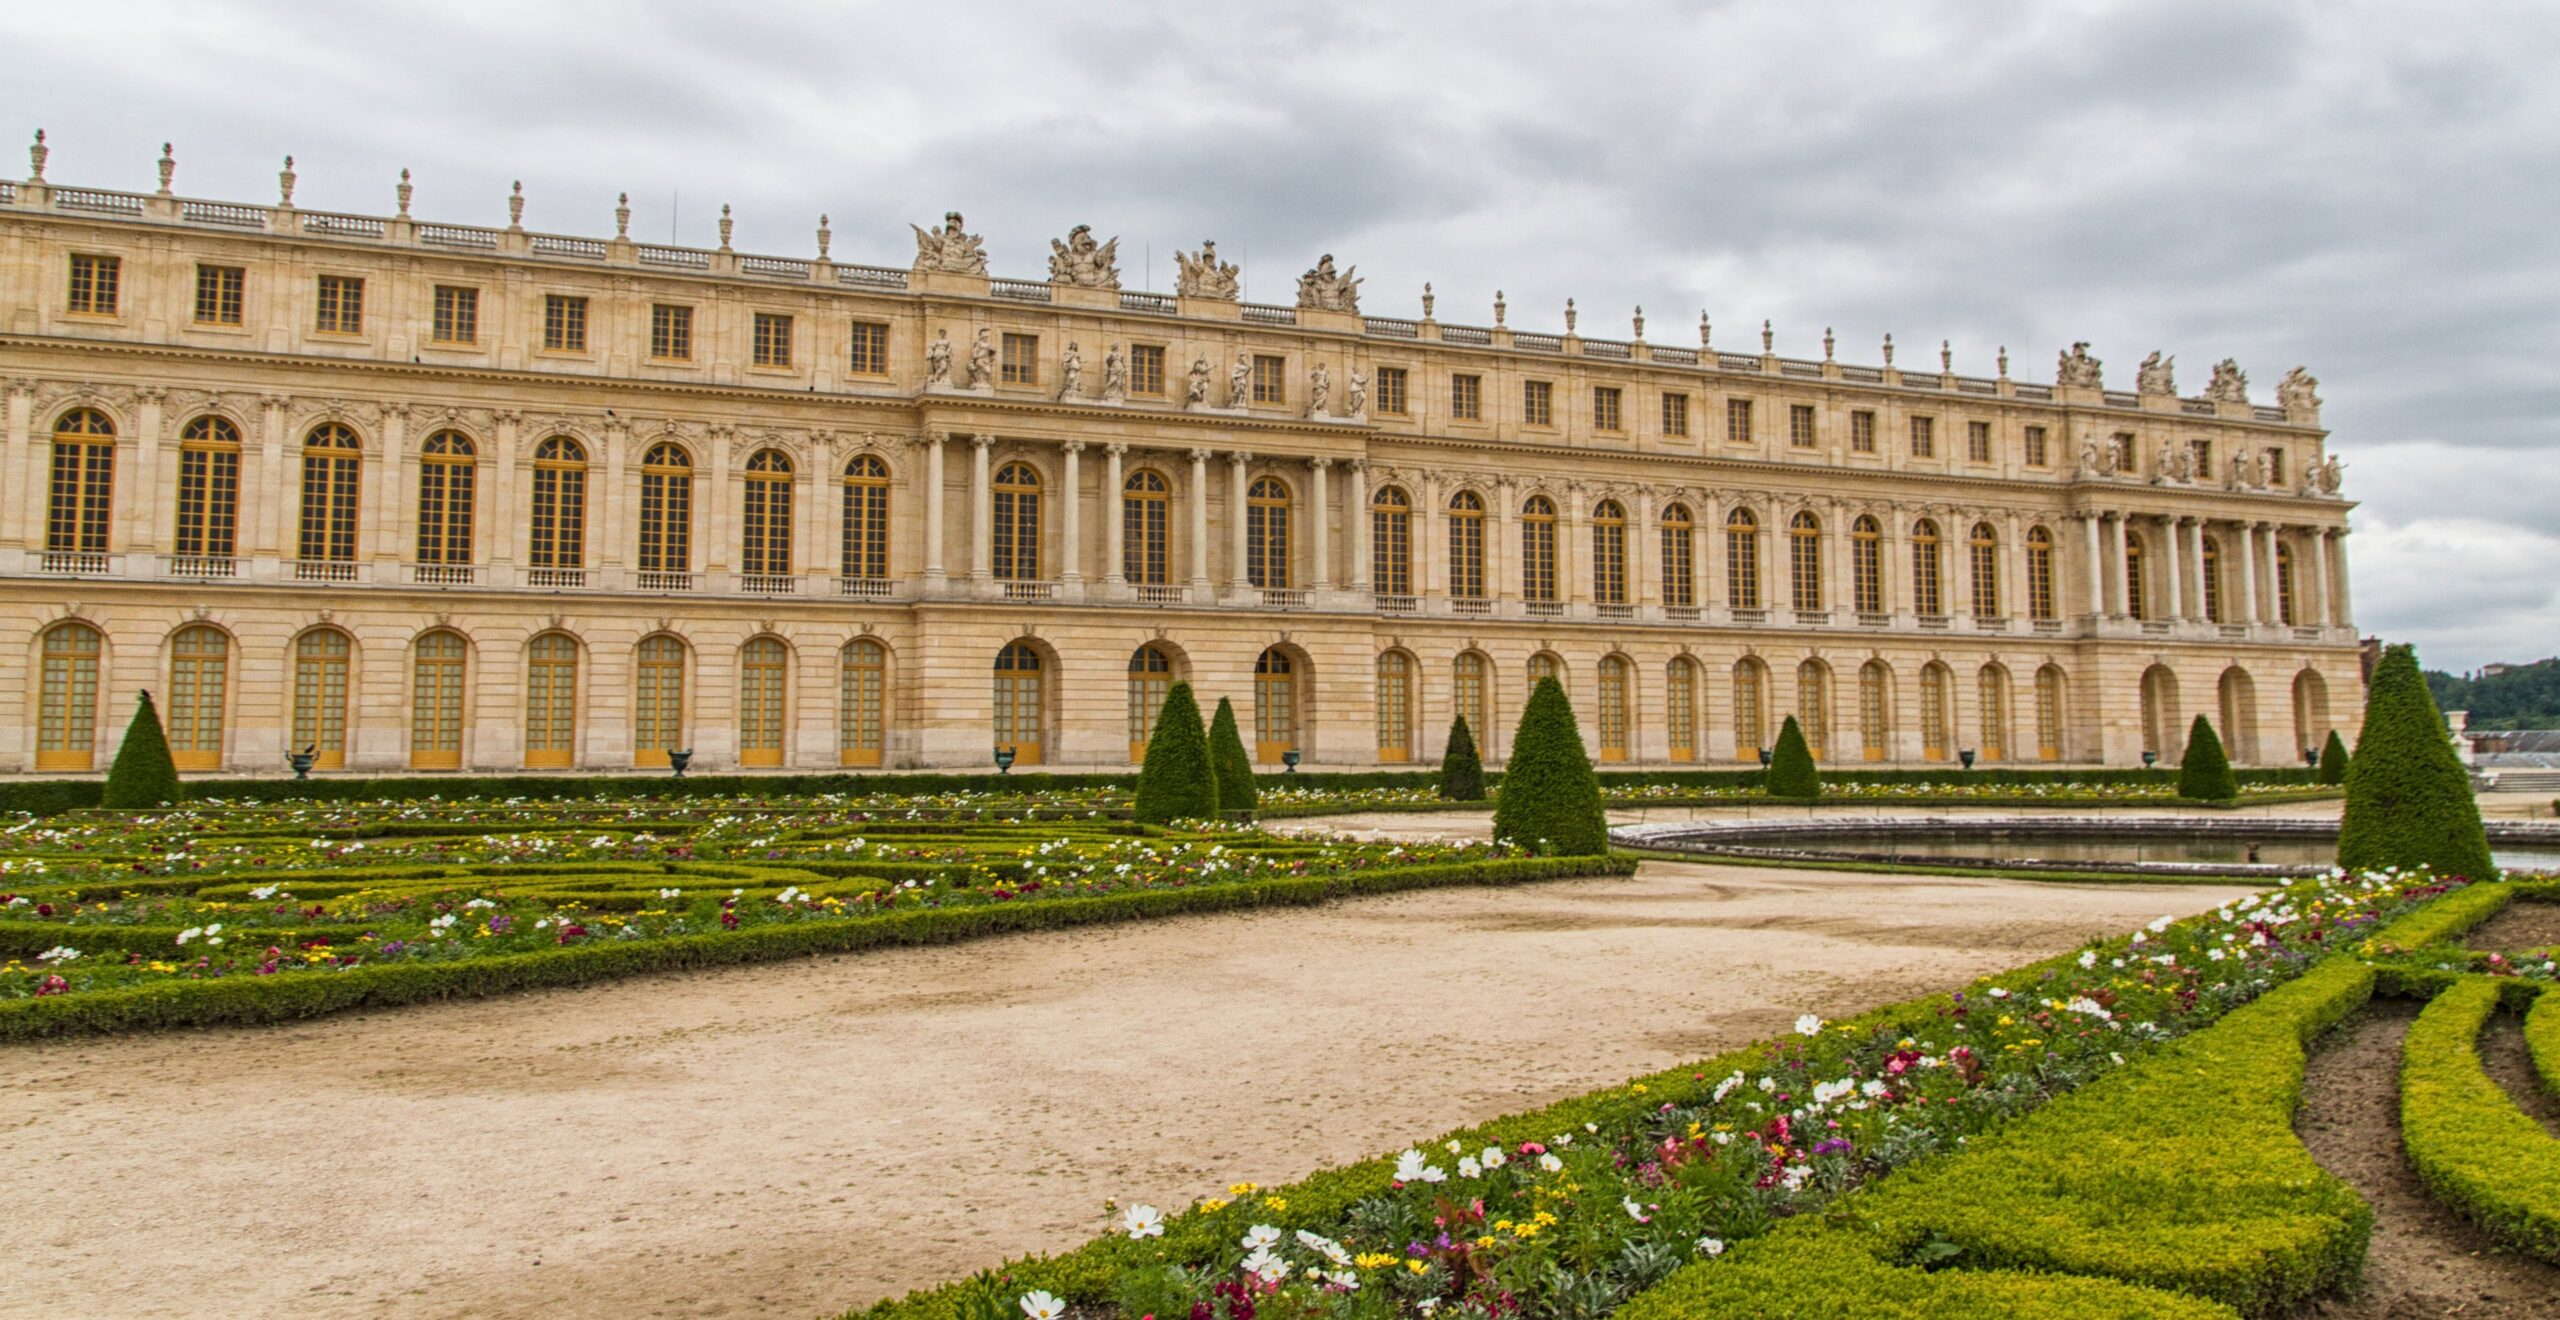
1990	623
555	579
1399	604
1470	605
1545	609
1680	613
865	588
1871	619
1749	616
325	570
1158	593
1813	618
443	575
1027	590
1608	610
1933	622
200	566
649	580
1283	598
2047	626
768	584
74	561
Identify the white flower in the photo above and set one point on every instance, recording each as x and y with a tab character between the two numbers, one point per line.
1710	1246
1260	1236
2089	958
1727	1086
189	933
1635	1211
1468	1168
1142	1221
1999	992
1324	1246
1493	1158
2159	924
1042	1306
1271	1268
60	953
1550	1163
1432	1174
1809	1025
263	892
1452	1145
1409	1166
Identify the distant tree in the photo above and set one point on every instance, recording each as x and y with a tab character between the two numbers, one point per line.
1236	791
1177	781
2409	802
2516	697
143	775
1550	798
2333	760
2204	773
1791	770
1461	769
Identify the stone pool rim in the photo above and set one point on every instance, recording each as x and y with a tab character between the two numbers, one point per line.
1784	840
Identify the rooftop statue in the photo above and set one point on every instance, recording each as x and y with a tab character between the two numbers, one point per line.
2229	384
1204	276
1323	289
1084	263
2077	368
2298	389
947	247
2157	375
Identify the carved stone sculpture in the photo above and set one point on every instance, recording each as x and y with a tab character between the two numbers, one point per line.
1240	381
2229	384
982	362
1198	395
2298	389
1082	262
2333	475
1359	398
2240	472
947	247
2077	368
2157	375
1319	390
2168	470
1071	371
1115	376
937	360
1324	289
1204	276
2091	462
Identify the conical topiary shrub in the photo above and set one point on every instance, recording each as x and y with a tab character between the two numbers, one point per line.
2409	802
1550	799
1235	768
2204	773
1791	771
2333	759
1461	769
143	775
1176	781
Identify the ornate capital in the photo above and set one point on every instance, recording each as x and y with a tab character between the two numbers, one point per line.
1073	446
1202	455
1239	457
1320	464
1116	449
982	443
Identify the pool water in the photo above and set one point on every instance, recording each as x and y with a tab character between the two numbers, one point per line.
2117	848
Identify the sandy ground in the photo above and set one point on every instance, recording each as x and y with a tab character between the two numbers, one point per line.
796	1137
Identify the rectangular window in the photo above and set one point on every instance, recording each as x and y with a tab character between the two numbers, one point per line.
94	280
773	340
1537	403
870	355
1607	410
1146	370
1862	432
1020	364
2124	451
1466	398
671	333
2275	467
1270	378
564	323
457	315
2039	448
1977	441
1391	396
2200	458
1737	421
340	305
1800	425
219	291
1924	437
1675	415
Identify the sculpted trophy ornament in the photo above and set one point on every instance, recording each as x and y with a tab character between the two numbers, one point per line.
1240	381
937	360
1071	371
2229	384
949	248
2076	368
2333	475
1324	289
1358	401
1198	394
2156	375
1115	376
1082	262
2298	389
982	362
1204	276
1319	390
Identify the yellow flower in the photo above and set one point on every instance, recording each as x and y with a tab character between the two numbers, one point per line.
1275	1202
1417	1267
1485	1241
1545	1220
1370	1260
1213	1203
1638	1088
1241	1189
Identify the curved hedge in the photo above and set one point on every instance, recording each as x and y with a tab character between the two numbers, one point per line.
2467	1140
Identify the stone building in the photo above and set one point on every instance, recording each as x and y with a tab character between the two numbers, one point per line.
431	496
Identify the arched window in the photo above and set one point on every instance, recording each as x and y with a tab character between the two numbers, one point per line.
320	696
1804	560
208	490
2162	735
2049	714
446	486
862	703
1395	707
1538	549
2310	712
67	704
199	680
1991	687
1866	565
1750	710
864	555
1545	665
1614	713
2239	694
1928	585
435	701
1742	561
1679	559
764	665
330	468
1813	707
2212	573
1470	690
1016	543
551	702
559	542
2133	565
1146	523
666	517
1984	546
2284	583
81	508
1391	542
1875	711
764	524
1150	677
657	701
1680	708
1266	533
1609	554
1275	705
1018	703
1466	549
2040	602
1934	719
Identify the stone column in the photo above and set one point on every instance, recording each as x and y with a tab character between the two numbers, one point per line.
277	482
2123	571
1644	588
1199	521
1713	584
1114	549
1503	569
1071	515
1319	538
982	511
932	500
604	549
1355	522
2343	612
20	467
2321	612
1430	542
2247	562
821	495
1955	543
391	486
2195	549
1573	550
2174	551
502	522
2273	597
715	505
1237	568
2013	574
2096	577
142	495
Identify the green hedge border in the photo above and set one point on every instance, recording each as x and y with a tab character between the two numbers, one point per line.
2467	1140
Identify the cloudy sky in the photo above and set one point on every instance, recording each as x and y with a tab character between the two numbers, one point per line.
2366	188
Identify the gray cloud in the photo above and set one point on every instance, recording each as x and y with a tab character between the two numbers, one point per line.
2361	186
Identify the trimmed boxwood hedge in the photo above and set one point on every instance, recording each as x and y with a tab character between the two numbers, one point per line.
2409	801
2469	1143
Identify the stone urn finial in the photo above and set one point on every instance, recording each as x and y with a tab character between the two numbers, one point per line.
622	216
1428	301
168	167
1827	343
1500	308
826	238
284	183
405	191
35	157
515	207
1570	316
727	226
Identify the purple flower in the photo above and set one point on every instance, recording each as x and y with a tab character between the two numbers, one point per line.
1834	1146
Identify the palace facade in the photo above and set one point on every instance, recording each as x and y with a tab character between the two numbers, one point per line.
424	496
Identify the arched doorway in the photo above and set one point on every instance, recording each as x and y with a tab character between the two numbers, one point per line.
1150	678
2310	713
2239	695
1019	703
1275	705
2162	736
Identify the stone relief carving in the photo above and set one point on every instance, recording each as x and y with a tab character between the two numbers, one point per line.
2298	389
1204	276
1082	262
2156	375
2076	368
1071	371
982	361
2229	384
937	360
1198	394
947	247
1324	289
1115	376
1319	390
